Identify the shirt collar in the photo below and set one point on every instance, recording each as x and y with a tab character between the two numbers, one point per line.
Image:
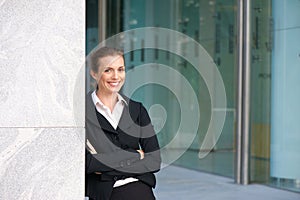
97	100
120	98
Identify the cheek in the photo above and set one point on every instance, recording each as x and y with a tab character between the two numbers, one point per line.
102	77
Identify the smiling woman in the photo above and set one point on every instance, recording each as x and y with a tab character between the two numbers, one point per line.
108	71
122	150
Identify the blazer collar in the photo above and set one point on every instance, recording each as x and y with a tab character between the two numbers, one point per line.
126	119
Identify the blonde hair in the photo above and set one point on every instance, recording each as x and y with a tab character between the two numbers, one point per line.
101	53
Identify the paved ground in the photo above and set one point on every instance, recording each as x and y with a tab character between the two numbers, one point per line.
176	183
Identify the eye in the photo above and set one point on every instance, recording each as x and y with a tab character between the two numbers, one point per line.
107	70
121	69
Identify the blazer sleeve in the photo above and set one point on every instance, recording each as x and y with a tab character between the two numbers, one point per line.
149	144
108	162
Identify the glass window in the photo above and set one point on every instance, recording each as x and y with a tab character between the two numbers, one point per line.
275	109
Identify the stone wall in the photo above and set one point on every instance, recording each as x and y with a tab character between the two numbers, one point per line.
42	99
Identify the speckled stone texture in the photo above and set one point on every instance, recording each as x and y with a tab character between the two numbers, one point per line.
42	56
42	53
42	163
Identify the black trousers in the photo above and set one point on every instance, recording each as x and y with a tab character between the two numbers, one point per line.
133	191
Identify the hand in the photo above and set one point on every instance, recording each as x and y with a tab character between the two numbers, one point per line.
142	154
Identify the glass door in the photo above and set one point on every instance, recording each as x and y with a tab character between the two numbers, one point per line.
211	24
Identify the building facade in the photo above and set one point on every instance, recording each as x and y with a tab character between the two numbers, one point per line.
255	47
219	78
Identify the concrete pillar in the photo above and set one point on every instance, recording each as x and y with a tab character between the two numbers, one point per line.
42	56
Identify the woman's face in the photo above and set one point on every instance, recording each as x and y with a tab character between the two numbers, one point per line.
111	74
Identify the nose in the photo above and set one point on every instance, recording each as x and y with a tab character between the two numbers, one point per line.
115	74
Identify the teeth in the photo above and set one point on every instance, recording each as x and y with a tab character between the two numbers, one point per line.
114	84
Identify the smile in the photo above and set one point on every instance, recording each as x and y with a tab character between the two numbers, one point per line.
114	84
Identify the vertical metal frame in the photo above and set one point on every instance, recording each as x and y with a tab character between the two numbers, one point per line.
238	128
102	4
243	93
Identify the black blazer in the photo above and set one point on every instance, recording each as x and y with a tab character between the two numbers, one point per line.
116	156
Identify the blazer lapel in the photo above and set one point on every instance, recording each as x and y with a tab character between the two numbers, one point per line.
129	120
126	121
90	113
105	125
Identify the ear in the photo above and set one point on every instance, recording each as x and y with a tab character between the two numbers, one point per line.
94	75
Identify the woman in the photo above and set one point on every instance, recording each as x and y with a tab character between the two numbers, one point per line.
122	150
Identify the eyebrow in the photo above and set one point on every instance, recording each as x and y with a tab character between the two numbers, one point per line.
113	66
107	67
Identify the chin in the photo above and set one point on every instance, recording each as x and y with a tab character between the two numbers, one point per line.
115	90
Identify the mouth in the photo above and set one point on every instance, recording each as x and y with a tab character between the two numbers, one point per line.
114	84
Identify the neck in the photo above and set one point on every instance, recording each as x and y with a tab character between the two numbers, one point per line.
108	99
